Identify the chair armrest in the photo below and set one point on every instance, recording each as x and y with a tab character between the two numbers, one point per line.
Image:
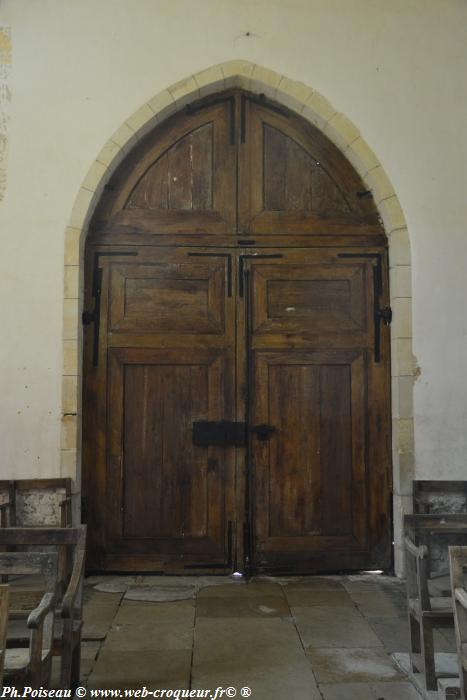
47	604
68	602
419	552
460	594
5	505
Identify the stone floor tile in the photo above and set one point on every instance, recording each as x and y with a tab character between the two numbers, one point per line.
115	584
89	650
369	691
319	583
300	596
393	632
131	613
374	603
353	665
97	631
324	627
249	590
265	655
134	669
101	607
158	636
160	594
264	607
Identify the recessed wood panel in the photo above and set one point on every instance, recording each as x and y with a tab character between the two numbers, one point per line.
166	495
164	474
310	478
313	298
183	298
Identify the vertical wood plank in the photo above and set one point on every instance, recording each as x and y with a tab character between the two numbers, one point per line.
179	168
336	450
275	168
202	147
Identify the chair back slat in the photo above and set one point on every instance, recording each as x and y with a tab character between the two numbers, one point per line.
19	536
31	564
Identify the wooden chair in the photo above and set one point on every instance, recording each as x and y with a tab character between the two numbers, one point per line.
67	638
427	612
32	666
458	565
424	490
4	596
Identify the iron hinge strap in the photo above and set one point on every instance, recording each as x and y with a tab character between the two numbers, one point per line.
94	316
379	314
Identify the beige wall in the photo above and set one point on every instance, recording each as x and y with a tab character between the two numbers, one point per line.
80	68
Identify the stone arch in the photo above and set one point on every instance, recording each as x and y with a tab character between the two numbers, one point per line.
318	110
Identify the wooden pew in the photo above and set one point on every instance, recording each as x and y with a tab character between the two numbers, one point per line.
458	566
32	666
425	611
67	642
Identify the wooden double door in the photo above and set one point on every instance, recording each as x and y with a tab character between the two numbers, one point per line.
236	398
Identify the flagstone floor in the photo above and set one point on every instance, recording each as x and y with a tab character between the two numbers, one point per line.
311	638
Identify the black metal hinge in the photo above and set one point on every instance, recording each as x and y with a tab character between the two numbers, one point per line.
386	315
94	316
379	314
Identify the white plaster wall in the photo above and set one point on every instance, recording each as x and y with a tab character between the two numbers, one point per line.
80	68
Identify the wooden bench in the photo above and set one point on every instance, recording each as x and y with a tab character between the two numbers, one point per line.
425	611
32	665
458	566
67	638
14	487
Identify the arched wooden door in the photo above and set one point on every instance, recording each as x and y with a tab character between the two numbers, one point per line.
236	361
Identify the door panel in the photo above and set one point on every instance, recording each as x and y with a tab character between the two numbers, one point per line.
309	479
313	482
166	360
166	493
313	298
168	298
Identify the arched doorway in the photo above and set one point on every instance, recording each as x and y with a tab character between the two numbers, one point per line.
236	360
